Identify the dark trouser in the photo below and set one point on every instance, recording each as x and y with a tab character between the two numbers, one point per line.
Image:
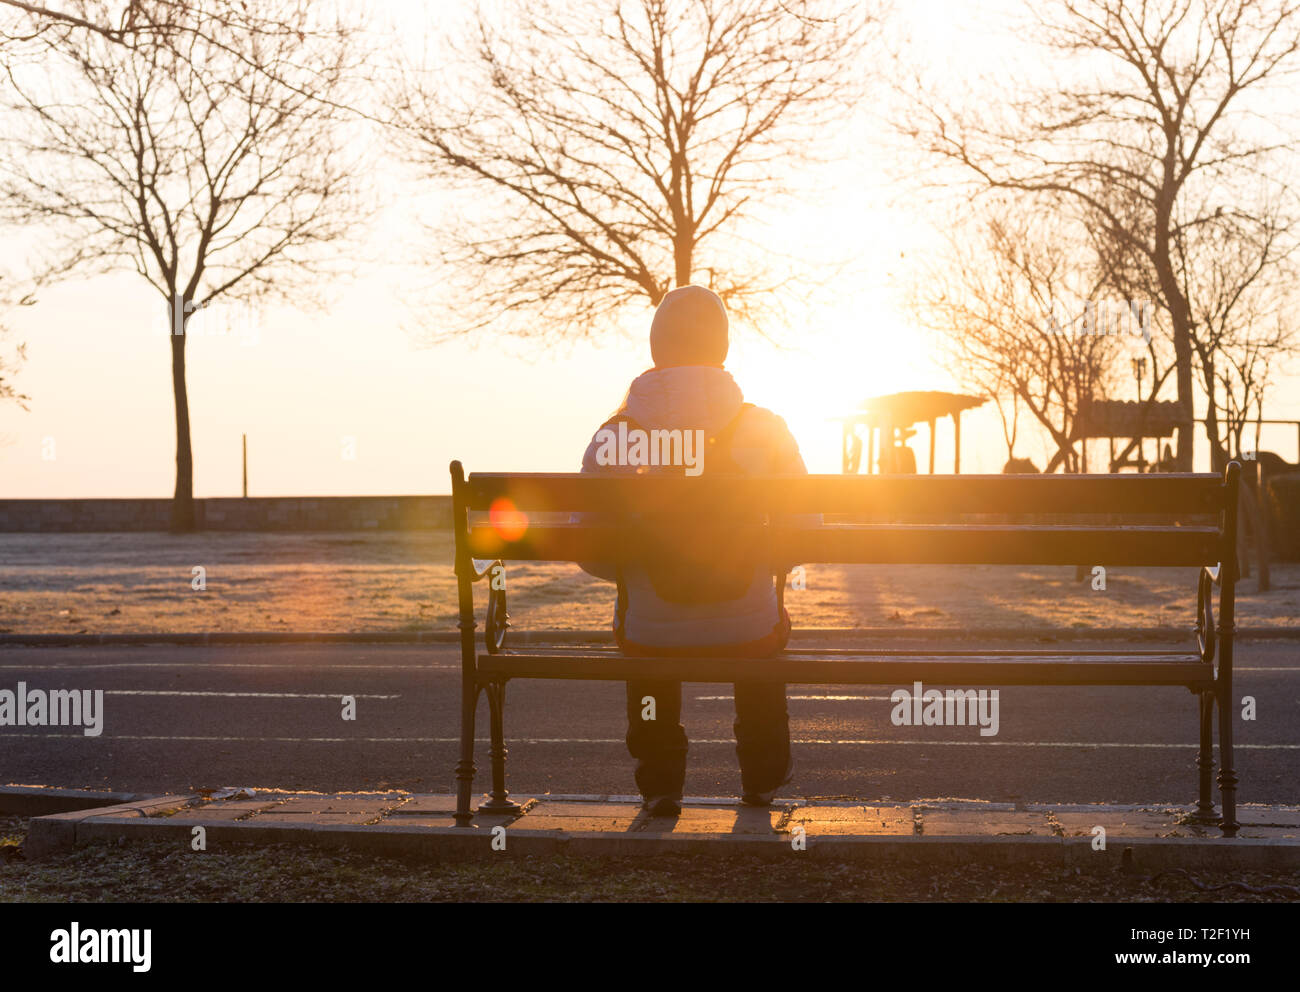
659	746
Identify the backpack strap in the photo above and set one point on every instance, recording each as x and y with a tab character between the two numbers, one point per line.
720	443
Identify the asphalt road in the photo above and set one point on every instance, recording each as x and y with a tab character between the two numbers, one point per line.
272	716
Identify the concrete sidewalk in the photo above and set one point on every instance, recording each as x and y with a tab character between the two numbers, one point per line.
940	831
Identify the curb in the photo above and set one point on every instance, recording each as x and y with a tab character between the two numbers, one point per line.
131	823
36	800
517	638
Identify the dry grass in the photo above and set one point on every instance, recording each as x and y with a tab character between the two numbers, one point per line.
120	583
162	873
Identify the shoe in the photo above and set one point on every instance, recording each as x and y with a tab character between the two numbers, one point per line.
765	798
663	806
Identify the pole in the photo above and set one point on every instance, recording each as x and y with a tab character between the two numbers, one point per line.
245	438
956	429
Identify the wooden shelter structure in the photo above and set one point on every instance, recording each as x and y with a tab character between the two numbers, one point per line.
889	423
1131	420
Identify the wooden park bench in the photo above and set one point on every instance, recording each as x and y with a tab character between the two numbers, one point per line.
1167	520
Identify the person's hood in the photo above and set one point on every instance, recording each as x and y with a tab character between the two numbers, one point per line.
686	397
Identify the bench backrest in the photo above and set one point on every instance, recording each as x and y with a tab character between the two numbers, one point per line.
1194	514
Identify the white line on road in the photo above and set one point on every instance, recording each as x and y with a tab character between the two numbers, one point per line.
251	695
619	740
229	664
828	699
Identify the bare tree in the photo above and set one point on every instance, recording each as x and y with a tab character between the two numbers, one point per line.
173	147
608	150
10	363
1169	118
163	22
1245	299
1013	299
41	17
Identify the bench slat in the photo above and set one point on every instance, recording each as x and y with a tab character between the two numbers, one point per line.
937	670
903	544
892	494
611	650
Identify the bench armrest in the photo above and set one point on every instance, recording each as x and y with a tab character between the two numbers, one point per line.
481	567
1205	632
497	620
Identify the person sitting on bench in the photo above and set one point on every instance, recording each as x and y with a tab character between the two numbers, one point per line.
723	605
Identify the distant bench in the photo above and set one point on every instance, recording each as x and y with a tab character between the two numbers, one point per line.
1197	526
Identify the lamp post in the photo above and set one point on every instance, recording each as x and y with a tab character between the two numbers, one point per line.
1139	370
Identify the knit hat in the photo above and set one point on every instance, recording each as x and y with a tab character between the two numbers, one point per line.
689	328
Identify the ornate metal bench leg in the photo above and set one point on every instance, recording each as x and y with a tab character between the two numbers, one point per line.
499	801
1205	812
1227	770
465	767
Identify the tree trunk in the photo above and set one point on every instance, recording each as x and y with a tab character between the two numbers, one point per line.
683	261
1180	316
183	499
1184	449
1064	453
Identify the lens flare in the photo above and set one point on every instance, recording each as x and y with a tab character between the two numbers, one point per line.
509	522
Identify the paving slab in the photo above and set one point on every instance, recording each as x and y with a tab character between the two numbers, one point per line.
718	820
420	805
576	824
1270	833
956	823
278	816
854	821
421	820
1119	822
545	807
229	809
242	805
326	804
1269	816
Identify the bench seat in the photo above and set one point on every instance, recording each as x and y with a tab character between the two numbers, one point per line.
811	667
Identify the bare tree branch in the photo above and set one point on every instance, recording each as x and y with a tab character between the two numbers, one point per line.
608	150
1164	145
171	143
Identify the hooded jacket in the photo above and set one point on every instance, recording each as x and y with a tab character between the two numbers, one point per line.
694	397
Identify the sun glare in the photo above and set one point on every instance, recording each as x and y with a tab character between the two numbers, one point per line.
860	353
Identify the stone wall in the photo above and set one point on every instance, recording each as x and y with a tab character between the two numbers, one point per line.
271	513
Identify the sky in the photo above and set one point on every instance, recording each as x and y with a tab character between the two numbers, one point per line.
348	397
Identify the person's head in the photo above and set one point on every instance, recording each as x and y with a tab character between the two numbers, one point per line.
689	328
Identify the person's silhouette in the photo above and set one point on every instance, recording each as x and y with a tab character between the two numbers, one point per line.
658	610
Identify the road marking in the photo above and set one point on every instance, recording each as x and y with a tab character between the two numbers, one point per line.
230	664
620	740
249	695
829	699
